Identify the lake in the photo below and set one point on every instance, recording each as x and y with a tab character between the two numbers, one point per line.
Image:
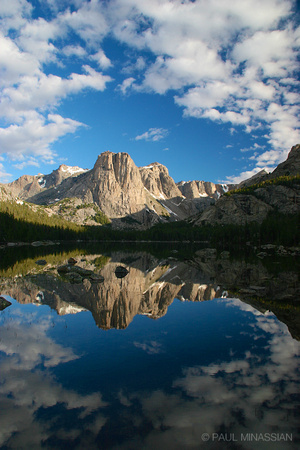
170	353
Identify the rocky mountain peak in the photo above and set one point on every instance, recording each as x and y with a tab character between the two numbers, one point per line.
117	168
200	189
257	178
291	166
158	182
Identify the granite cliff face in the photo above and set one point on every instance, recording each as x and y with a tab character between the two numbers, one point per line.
202	189
129	196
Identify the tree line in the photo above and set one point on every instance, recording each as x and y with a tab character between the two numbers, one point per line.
18	222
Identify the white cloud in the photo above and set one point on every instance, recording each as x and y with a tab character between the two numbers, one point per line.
4	176
126	85
35	136
244	175
153	134
88	22
226	58
229	62
270	50
29	162
14	63
102	60
76	50
29	94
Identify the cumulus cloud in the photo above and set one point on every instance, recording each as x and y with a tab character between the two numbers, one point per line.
229	62
225	59
4	176
34	136
102	60
126	85
29	95
77	50
153	134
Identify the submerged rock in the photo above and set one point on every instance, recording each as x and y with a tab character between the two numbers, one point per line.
72	261
41	262
96	278
121	272
78	273
4	303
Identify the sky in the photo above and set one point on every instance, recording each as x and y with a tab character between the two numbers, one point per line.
209	88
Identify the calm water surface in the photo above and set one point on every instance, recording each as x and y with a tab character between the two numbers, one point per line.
160	358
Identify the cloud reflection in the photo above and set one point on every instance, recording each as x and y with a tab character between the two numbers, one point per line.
238	396
28	389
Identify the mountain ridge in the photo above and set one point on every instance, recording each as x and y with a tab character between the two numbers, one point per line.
266	196
115	190
130	196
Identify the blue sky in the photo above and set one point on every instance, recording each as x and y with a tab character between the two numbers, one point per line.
209	88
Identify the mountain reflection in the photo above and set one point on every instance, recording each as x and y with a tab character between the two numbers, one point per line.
150	286
148	289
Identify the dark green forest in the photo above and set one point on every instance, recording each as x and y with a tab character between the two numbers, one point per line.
285	180
19	223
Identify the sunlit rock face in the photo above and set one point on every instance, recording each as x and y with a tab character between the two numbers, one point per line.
131	197
157	181
201	189
138	198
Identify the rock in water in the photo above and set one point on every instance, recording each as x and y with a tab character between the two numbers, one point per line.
121	272
4	303
41	262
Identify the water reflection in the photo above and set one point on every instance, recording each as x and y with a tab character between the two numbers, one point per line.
29	391
148	286
219	369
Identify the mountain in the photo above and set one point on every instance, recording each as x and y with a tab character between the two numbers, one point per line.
118	190
275	192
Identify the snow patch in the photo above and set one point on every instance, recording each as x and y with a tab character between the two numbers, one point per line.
147	167
42	182
73	169
168	271
169	210
178	204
